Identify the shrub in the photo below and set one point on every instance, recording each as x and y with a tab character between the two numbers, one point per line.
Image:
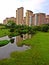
12	40
12	30
11	35
44	28
36	28
3	42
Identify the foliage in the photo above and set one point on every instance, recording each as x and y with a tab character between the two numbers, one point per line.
12	30
44	28
12	40
2	26
11	24
4	32
3	42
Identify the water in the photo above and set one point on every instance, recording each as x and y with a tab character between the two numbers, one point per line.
7	49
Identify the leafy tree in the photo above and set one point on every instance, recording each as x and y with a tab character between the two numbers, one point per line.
11	24
44	28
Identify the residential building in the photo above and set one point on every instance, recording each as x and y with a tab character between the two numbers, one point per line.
19	16
24	21
39	18
29	15
47	19
7	19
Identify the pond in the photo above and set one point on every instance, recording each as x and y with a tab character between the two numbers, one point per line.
11	47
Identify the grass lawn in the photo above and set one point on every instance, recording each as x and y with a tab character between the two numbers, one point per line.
37	55
4	32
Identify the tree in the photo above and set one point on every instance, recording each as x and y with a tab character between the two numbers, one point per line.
11	24
12	27
44	28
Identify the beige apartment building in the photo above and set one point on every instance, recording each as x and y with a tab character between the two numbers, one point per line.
30	19
29	15
47	19
33	19
39	18
24	21
19	16
7	19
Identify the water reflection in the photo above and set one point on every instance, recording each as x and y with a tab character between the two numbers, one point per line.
23	37
7	49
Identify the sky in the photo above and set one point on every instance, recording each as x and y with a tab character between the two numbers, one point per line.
8	7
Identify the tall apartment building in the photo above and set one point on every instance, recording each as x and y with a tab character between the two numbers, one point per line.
19	16
29	15
47	19
33	19
24	21
30	19
7	19
39	18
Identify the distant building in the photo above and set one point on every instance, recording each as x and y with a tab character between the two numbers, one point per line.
19	16
29	15
47	19
39	18
33	19
7	19
30	19
24	21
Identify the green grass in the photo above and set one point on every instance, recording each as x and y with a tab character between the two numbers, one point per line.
4	42
4	32
2	26
37	55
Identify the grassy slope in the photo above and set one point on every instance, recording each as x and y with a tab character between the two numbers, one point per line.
4	32
37	55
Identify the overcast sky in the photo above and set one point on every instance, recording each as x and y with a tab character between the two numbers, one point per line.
8	7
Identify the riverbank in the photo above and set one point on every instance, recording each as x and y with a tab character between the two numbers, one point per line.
37	55
4	32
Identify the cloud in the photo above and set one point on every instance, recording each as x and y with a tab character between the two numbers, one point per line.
34	4
8	7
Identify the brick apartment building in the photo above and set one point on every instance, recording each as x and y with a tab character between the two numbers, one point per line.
7	19
29	15
30	19
19	16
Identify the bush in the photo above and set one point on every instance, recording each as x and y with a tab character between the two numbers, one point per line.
36	28
44	28
11	35
12	40
3	42
12	30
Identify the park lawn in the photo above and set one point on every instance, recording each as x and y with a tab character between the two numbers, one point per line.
4	32
37	55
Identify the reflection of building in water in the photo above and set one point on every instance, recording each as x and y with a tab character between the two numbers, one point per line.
25	36
18	39
29	36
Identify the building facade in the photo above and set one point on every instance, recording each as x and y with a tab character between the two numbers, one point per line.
7	19
29	15
39	18
24	21
30	19
47	19
19	16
